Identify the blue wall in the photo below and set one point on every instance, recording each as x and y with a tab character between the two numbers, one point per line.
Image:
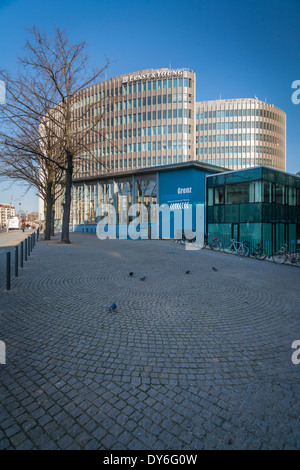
180	189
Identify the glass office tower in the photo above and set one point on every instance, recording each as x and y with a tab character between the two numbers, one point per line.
240	133
148	120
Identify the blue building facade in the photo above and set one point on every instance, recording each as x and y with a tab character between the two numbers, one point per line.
158	202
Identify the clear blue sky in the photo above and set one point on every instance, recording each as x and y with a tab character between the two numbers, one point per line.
237	48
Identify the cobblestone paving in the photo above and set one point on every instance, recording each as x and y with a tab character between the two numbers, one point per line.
188	361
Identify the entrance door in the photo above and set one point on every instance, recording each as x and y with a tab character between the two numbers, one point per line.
286	234
274	238
235	231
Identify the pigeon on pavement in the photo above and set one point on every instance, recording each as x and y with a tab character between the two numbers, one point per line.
214	269
112	308
142	278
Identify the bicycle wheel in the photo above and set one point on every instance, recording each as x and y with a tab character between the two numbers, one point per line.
243	250
216	245
229	248
279	257
294	258
260	254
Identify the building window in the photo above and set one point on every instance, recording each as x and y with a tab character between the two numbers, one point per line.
219	194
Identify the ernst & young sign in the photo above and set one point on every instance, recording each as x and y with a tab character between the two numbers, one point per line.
156	74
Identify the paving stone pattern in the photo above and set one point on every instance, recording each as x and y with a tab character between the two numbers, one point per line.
188	361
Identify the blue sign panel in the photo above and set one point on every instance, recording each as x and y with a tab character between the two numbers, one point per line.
181	190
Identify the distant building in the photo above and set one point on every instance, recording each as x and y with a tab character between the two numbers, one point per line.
6	211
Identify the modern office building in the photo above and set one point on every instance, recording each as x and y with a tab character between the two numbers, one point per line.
148	120
151	118
240	133
259	204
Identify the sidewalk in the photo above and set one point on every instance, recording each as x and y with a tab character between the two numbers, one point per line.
13	238
188	361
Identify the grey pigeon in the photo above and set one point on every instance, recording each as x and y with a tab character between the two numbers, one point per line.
214	269
131	274
112	308
187	272
142	278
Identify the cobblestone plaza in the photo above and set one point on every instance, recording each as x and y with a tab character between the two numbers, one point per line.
188	361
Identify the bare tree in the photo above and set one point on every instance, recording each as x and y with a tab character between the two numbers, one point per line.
36	172
27	152
42	119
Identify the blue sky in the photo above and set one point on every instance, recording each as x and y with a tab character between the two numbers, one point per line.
237	48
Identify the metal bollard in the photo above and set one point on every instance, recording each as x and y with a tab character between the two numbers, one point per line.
37	234
22	255
16	261
28	243
26	249
8	270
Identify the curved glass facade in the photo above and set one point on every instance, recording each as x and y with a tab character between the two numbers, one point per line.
148	120
240	133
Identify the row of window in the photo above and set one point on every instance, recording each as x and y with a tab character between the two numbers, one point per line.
146	116
151	101
134	88
143	131
241	162
140	132
239	149
237	137
239	112
239	125
139	117
91	168
135	103
256	191
145	147
105	191
157	85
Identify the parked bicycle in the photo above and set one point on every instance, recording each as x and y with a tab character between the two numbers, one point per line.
235	247
283	255
215	244
255	250
184	240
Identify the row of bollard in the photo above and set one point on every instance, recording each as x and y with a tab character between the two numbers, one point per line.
26	248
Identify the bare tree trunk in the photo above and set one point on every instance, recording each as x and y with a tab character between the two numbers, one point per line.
65	233
48	211
46	137
52	221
